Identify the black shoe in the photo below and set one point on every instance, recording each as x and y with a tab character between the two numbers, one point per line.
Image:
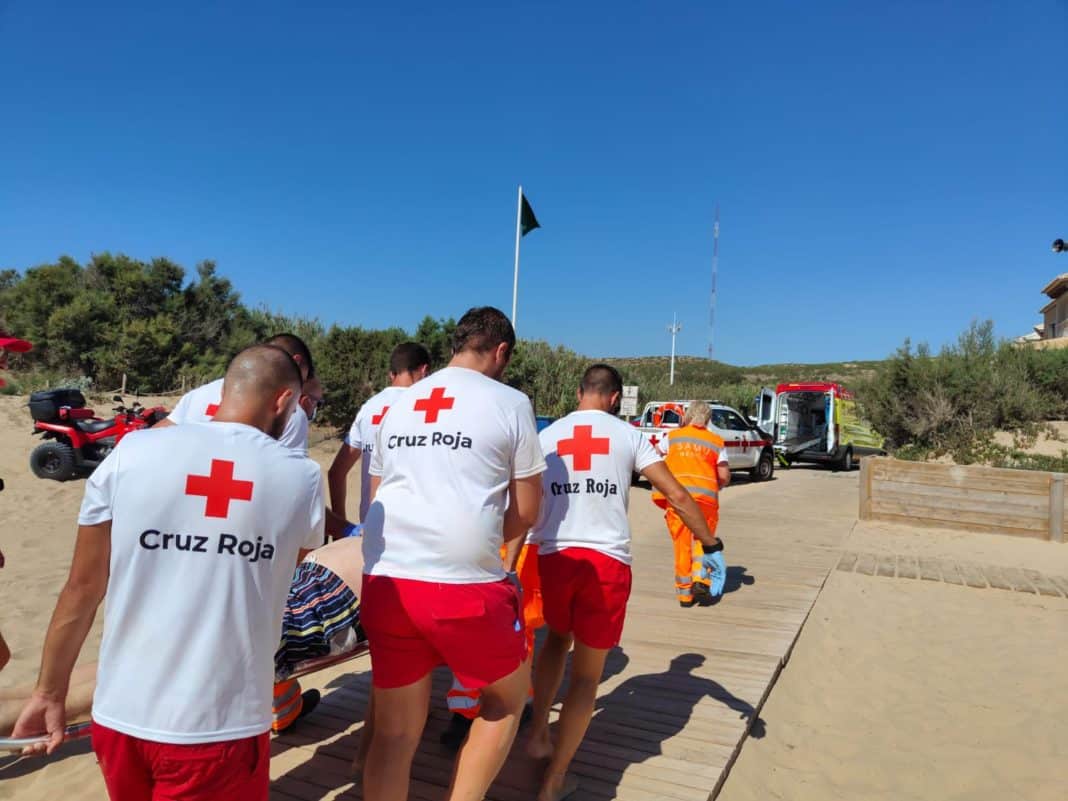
687	604
309	699
454	736
702	595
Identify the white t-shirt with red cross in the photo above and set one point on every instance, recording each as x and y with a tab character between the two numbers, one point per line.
591	457
200	405
446	453
362	437
206	523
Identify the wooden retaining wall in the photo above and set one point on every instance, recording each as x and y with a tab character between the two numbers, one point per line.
1024	503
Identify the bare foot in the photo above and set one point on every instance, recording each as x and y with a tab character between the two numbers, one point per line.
557	787
540	745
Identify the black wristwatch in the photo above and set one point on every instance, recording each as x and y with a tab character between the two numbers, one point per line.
714	548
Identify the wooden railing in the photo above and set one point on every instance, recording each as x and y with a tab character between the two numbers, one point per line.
1025	503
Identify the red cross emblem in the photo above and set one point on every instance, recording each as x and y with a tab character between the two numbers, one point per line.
377	418
582	447
212	409
654	440
434	405
219	487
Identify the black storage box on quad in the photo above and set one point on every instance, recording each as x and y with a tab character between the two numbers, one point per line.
45	406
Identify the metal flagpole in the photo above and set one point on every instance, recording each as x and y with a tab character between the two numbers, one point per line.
515	279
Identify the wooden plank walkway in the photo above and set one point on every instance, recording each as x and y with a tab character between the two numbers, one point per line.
682	691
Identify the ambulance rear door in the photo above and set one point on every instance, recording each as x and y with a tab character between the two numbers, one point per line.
765	412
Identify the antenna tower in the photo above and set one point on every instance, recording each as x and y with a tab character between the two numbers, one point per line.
715	276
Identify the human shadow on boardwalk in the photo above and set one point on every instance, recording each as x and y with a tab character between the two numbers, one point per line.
737	578
638	720
330	735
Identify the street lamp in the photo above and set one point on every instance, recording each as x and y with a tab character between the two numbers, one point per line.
674	328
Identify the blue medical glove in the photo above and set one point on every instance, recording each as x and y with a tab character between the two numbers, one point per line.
715	570
352	530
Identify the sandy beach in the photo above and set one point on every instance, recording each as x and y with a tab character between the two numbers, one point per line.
898	688
902	689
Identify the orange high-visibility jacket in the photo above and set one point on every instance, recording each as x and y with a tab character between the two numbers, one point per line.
693	454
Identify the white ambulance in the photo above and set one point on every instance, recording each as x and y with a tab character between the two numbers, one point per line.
748	448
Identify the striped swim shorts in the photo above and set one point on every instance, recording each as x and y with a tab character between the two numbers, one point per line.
322	617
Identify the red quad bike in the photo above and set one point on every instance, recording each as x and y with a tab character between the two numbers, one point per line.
76	440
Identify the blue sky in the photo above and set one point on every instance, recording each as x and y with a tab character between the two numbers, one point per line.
883	170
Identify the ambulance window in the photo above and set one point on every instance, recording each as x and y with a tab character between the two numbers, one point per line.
648	419
670	418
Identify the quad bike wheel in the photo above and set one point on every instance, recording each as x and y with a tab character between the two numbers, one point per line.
54	460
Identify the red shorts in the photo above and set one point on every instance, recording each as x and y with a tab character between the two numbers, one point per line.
414	626
142	770
585	593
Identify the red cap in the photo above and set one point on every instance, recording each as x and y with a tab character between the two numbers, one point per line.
14	344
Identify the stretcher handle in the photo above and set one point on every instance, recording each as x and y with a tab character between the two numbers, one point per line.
78	730
73	732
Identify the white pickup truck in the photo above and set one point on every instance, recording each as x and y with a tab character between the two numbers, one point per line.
748	448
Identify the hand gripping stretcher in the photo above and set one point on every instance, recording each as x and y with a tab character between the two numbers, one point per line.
77	731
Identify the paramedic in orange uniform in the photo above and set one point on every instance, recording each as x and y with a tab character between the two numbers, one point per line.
698	458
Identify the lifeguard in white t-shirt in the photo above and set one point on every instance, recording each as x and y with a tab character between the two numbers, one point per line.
191	535
584	558
201	404
455	474
408	363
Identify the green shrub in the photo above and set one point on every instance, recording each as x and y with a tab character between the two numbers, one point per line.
953	402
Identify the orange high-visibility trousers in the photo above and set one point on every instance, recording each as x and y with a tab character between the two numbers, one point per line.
529	578
287	704
467	702
688	551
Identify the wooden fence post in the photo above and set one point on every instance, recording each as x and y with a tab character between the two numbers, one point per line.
864	513
1056	507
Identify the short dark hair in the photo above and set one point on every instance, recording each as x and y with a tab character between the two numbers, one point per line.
482	329
294	346
408	357
602	379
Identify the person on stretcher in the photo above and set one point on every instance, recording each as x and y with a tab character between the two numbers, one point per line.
322	618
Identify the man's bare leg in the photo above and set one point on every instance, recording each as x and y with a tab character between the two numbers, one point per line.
483	753
587	667
548	674
366	734
399	718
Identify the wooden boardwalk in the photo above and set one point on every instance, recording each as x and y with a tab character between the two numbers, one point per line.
681	692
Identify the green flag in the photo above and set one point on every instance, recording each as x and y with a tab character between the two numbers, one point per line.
527	221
